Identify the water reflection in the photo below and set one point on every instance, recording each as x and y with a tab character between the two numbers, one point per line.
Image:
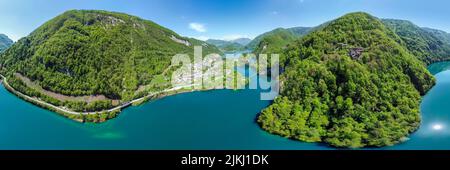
437	127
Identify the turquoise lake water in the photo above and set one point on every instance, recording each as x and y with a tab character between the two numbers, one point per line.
219	119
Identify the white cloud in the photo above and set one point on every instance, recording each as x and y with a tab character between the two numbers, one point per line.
197	27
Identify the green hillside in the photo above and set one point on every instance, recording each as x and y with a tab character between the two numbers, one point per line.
5	42
242	41
441	35
371	99
276	39
226	46
103	56
429	45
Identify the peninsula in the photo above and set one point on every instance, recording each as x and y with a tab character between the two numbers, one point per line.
89	64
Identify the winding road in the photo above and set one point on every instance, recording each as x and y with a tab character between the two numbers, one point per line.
6	84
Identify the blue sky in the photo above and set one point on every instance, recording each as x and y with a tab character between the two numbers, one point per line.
224	19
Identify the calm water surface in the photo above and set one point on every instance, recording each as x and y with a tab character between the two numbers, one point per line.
220	119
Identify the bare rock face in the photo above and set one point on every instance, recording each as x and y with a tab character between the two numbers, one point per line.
187	43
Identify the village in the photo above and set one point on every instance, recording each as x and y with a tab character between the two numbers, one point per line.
213	72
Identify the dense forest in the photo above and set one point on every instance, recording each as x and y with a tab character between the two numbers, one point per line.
429	45
87	53
353	82
331	94
275	40
5	42
230	46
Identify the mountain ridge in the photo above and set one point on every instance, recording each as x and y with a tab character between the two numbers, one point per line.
230	45
90	53
330	95
289	33
242	41
429	45
5	42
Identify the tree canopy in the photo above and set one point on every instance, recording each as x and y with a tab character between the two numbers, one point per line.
429	45
276	39
90	52
329	96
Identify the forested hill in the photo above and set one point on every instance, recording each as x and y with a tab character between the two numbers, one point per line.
89	52
5	42
429	45
441	35
277	38
350	83
227	46
230	46
242	41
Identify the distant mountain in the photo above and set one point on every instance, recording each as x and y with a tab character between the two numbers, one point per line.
442	35
90	60
217	42
242	41
277	39
227	46
5	42
429	45
349	83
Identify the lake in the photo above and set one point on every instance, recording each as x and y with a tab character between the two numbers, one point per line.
207	120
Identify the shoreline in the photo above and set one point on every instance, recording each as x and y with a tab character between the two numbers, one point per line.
80	116
108	114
